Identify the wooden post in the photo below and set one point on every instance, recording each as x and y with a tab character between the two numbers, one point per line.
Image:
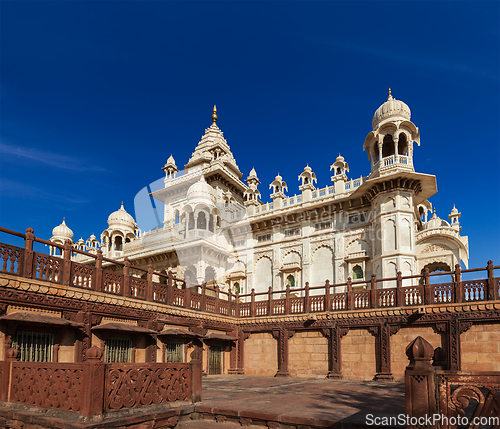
98	272
492	291
237	305
307	300
28	254
252	303
399	290
187	297
93	384
270	301
420	386
429	299
126	278
217	300
457	285
66	265
328	301
350	295
287	299
170	282
203	296
373	292
149	289
229	302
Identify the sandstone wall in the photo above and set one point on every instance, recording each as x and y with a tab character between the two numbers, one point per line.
308	355
358	355
481	348
261	354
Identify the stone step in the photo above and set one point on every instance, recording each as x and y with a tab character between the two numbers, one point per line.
210	424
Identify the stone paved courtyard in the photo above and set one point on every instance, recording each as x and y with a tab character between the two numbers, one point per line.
300	401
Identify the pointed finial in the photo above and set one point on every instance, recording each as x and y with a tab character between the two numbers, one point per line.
122	205
214	115
390	96
64	219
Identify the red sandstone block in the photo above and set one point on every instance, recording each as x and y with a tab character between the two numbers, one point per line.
259	415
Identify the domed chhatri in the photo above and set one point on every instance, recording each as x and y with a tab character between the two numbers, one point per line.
121	218
62	231
201	191
391	109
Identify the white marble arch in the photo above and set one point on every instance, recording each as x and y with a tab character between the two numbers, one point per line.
263	277
322	268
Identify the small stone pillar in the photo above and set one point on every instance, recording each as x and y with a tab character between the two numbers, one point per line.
93	384
419	380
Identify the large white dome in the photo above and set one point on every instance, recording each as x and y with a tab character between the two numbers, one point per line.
62	231
201	191
393	109
121	218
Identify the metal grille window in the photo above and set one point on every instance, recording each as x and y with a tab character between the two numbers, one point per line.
322	225
34	346
292	231
265	237
174	351
118	350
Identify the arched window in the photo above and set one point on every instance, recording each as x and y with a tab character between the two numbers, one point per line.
202	221
176	217
237	288
388	148
339	171
118	243
402	145
357	272
211	223
290	281
191	221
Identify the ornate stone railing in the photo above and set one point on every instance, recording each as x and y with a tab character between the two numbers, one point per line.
92	388
351	295
438	398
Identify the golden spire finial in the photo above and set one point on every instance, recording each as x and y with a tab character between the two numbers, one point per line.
214	115
390	95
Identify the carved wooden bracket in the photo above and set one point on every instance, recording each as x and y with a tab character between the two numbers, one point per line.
465	326
394	329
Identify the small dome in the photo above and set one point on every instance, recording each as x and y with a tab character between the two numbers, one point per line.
121	218
201	191
339	158
436	222
253	173
392	108
454	210
62	231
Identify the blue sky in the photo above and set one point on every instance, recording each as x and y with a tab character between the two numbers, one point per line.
95	96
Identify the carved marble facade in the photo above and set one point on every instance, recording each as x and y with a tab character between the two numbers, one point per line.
216	228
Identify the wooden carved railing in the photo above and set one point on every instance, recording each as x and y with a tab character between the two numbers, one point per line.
48	385
82	276
11	258
93	387
134	385
441	399
417	290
